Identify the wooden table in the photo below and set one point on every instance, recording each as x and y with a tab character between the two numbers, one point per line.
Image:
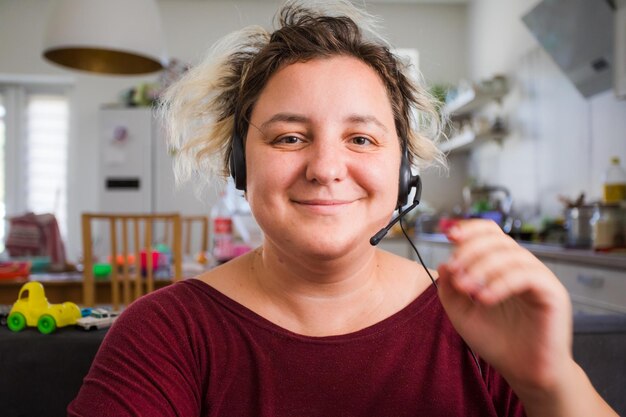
61	287
41	373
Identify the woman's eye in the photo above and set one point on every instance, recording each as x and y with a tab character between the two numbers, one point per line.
289	140
361	140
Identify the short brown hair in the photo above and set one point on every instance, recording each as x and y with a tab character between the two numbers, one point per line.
229	82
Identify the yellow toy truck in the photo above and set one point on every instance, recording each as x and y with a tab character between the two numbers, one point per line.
32	309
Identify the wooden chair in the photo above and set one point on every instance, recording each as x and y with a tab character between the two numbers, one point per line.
188	222
190	236
124	231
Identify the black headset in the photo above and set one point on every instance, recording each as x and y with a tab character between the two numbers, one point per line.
237	160
237	165
407	180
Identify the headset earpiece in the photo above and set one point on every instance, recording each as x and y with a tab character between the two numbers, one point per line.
407	181
237	161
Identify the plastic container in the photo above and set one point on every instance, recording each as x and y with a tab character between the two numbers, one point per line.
222	246
614	185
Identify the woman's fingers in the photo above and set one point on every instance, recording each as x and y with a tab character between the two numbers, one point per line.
475	275
480	255
504	286
475	239
472	229
490	266
483	269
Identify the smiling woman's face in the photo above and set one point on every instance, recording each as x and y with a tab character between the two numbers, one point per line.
322	157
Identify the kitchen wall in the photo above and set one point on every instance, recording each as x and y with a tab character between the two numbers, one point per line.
190	27
560	142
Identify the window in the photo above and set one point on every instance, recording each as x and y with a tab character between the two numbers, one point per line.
34	125
2	171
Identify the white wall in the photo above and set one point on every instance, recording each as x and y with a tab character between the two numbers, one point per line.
190	28
560	142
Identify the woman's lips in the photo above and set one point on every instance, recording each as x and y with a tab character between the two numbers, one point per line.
323	202
323	206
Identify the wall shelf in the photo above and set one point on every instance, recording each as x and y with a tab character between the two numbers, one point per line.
467	139
461	110
473	99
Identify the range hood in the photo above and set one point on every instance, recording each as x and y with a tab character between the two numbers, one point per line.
579	36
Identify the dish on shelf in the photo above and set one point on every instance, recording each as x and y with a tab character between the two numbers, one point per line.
466	99
465	140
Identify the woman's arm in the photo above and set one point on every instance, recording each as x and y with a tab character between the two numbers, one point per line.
516	315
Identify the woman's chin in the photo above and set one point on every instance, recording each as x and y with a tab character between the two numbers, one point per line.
327	248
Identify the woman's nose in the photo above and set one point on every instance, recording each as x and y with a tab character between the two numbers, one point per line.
326	163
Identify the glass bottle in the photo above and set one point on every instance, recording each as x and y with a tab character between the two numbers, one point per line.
614	187
222	231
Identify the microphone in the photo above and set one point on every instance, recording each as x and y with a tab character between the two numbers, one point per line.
374	240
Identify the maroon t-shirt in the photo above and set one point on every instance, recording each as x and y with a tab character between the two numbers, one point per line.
188	350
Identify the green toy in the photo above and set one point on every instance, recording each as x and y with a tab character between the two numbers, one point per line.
101	271
32	309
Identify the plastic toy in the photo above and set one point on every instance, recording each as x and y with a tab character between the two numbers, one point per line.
32	309
4	313
121	260
157	260
99	318
14	269
101	271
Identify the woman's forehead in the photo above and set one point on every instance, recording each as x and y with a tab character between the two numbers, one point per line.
336	86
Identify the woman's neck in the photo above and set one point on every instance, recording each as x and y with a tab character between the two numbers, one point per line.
319	297
353	268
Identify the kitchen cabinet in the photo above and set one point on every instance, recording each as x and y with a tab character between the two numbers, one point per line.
469	129
593	290
398	246
433	253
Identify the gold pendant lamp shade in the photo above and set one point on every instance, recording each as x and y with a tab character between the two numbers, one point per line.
106	36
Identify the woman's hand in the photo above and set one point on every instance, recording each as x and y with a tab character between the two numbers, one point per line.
516	315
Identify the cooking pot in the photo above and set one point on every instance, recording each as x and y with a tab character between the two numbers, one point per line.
578	226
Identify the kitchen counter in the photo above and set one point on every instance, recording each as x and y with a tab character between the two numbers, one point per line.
586	257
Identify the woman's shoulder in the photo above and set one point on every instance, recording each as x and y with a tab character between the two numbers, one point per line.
188	292
201	291
231	280
189	304
192	306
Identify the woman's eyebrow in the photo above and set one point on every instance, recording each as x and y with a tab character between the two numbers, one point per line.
299	118
285	117
365	119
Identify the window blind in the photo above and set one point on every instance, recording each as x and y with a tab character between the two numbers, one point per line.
34	130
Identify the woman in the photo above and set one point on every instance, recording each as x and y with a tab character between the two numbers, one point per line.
314	123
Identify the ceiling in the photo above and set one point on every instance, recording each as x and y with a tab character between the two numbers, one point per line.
366	1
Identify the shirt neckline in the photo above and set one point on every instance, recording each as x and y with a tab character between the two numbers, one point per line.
408	312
